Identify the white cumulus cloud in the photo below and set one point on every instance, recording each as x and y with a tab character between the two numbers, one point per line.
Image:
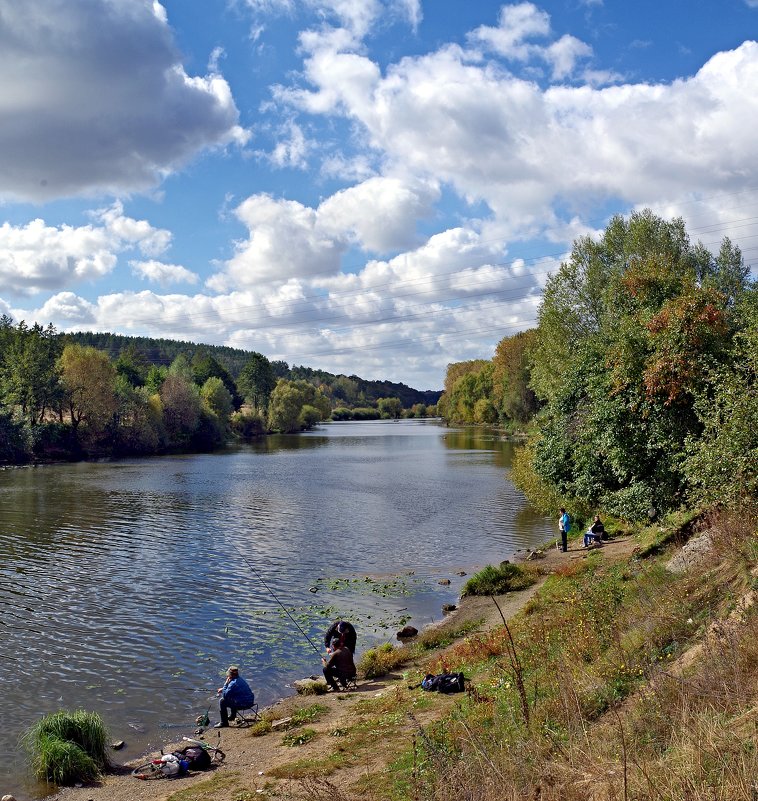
96	100
162	273
37	257
290	240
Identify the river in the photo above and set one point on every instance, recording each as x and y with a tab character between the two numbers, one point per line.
128	586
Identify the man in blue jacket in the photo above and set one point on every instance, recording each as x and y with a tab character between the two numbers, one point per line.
235	694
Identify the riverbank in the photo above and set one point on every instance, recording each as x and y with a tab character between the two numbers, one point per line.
339	738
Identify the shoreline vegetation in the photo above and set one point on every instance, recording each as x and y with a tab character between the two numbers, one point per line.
625	671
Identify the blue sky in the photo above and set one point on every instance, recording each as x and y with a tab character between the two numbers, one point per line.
376	187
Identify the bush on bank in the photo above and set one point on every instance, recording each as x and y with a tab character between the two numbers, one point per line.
498	580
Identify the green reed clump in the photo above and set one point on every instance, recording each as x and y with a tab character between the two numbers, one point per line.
382	660
68	747
498	580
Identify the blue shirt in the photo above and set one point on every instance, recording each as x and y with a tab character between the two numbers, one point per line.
237	693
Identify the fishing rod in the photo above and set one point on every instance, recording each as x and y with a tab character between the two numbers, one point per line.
273	595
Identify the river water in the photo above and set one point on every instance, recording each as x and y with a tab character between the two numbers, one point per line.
127	587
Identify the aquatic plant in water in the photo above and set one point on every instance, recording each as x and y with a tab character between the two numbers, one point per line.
67	747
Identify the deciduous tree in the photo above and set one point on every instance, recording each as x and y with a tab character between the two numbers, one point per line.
89	383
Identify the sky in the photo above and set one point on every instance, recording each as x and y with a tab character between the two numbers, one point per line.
370	187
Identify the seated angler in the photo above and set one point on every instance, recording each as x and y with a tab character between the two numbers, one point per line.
339	666
595	532
235	694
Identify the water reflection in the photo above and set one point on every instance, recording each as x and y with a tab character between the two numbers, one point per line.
132	585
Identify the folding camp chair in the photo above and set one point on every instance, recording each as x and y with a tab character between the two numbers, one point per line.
247	716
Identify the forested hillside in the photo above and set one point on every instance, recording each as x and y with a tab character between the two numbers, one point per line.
639	382
353	389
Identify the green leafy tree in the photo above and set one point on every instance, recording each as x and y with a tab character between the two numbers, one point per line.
182	367
137	424
287	404
722	464
154	379
390	408
467	383
181	407
512	395
257	381
345	389
419	410
205	366
29	375
217	398
631	329
89	383
132	365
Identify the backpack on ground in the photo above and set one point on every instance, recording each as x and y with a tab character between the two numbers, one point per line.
451	683
444	682
429	682
196	757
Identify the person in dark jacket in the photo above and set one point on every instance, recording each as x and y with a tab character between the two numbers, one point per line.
340	665
564	526
235	694
344	632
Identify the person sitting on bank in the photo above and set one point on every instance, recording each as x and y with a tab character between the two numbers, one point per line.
235	694
594	533
344	632
340	665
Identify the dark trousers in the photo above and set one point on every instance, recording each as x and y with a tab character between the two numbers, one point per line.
564	541
331	674
227	711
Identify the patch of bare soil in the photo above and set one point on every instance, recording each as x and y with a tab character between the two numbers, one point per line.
248	771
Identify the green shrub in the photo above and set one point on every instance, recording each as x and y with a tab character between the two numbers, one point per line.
497	580
365	413
381	660
62	762
247	424
542	495
68	747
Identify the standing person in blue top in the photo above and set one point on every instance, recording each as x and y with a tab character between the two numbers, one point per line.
235	694
564	524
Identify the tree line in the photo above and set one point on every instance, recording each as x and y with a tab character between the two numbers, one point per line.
350	390
62	397
638	385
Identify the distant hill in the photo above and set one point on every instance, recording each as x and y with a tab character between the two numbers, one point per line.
164	351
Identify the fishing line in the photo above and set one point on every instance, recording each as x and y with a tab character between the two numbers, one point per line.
273	595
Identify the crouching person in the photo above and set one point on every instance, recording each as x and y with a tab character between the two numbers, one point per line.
235	694
340	665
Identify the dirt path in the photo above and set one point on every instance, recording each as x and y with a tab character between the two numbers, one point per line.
256	766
